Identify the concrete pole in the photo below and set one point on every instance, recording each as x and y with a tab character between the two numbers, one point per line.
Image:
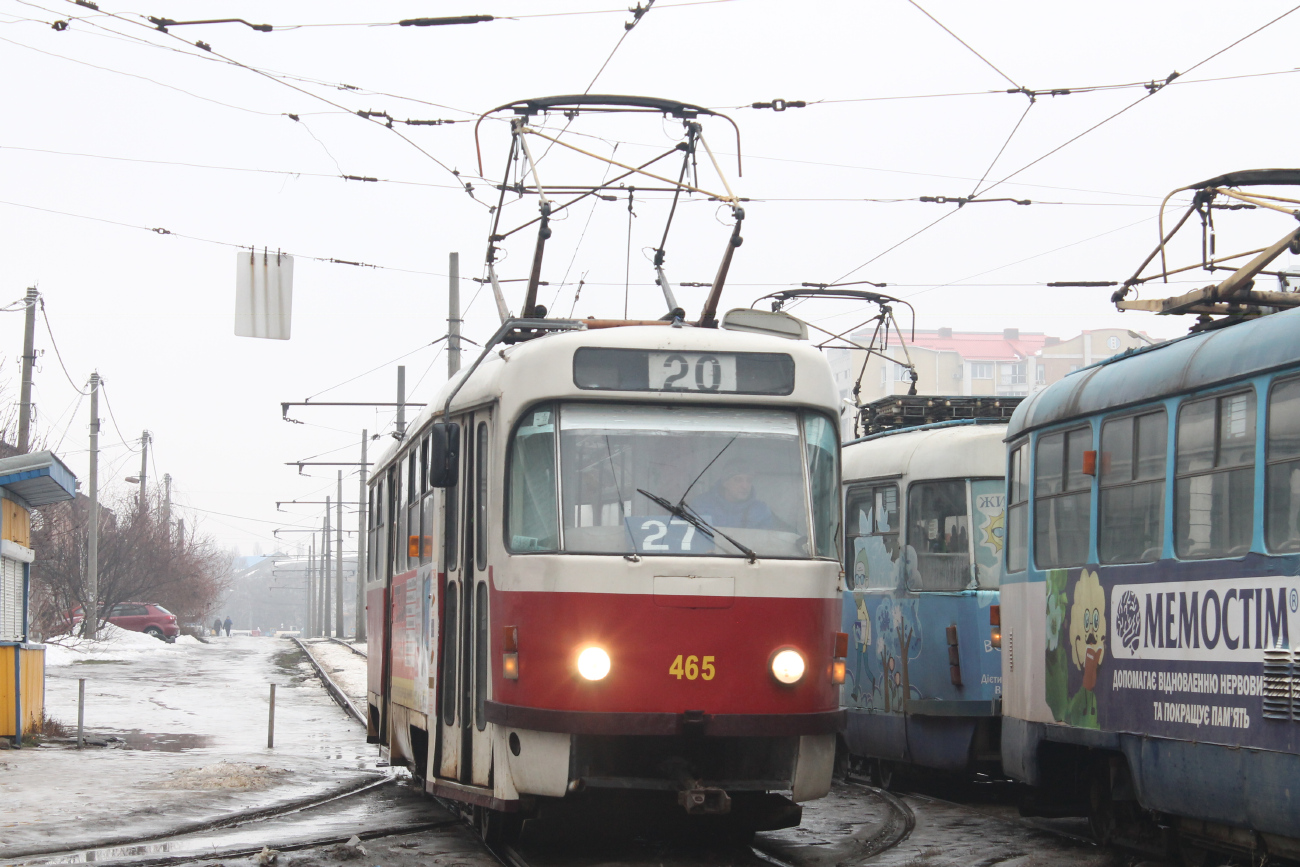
90	609
401	401
309	628
29	361
338	561
144	471
325	576
167	506
453	315
362	561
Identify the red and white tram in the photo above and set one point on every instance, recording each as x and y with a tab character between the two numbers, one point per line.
605	559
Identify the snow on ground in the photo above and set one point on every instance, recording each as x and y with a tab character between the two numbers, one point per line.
344	667
224	775
188	730
113	645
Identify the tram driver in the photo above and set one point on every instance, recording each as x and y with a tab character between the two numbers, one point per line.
731	502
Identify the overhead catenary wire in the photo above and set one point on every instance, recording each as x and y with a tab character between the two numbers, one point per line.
1151	92
945	29
169	232
468	188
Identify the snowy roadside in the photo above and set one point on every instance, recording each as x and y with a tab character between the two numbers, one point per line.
187	731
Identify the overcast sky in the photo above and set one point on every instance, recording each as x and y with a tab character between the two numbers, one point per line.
114	131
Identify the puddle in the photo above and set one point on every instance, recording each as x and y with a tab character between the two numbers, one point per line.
167	743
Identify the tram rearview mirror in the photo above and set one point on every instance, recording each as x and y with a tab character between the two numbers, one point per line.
444	454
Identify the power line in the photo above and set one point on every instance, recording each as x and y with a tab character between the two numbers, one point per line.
189	165
468	188
141	78
379	367
103	387
1051	91
945	29
1151	92
169	232
58	354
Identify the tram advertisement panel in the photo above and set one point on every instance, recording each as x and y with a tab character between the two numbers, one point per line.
410	630
1205	659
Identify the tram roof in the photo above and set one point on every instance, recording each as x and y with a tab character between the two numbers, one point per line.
947	450
1152	373
543	367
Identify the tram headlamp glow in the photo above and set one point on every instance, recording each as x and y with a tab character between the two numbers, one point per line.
787	666
593	663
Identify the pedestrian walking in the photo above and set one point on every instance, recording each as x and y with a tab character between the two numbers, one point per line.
216	626
229	623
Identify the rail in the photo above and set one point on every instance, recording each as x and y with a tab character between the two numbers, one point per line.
333	688
351	647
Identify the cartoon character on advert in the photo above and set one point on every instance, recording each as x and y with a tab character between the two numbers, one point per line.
1075	657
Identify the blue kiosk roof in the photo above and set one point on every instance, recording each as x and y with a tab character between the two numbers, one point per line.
39	478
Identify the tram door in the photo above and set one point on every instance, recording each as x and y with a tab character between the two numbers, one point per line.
466	746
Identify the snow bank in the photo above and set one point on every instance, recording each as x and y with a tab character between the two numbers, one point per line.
224	775
113	645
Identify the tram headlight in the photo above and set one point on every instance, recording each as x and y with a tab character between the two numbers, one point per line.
593	663
787	666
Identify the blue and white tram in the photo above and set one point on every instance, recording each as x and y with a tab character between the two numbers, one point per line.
923	545
1151	595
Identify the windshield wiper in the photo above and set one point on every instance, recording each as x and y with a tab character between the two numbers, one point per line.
687	514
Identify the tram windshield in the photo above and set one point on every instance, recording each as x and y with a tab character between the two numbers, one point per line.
658	480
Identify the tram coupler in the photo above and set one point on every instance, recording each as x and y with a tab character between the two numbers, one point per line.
704	801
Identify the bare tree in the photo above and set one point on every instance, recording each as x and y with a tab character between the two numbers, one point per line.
141	559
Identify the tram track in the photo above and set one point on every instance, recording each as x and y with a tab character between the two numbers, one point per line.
349	646
242	819
330	686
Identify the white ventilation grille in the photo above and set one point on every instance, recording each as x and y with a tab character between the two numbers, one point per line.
1281	698
11	600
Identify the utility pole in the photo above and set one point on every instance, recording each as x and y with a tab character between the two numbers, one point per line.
29	361
309	628
325	576
338	559
145	439
401	401
90	605
453	315
167	507
362	561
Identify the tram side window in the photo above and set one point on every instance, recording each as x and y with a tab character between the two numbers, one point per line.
1017	510
532	518
399	516
413	508
1282	515
376	520
1062	499
481	482
871	537
938	531
451	513
822	442
1214	492
427	510
1131	512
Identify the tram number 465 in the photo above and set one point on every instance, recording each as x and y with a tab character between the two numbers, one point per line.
692	667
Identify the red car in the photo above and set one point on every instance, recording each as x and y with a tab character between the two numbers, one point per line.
146	617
